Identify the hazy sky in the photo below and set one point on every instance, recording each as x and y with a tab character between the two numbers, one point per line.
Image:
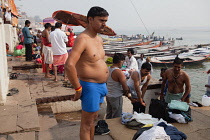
154	13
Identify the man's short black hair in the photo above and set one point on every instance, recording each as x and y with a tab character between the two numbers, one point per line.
163	69
118	57
131	50
47	25
177	60
58	24
52	28
97	11
146	66
27	22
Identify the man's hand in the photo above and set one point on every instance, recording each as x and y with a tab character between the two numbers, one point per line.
77	95
182	99
161	96
142	102
208	71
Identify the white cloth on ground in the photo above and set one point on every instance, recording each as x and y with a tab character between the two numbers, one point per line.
144	118
48	55
155	133
178	117
161	120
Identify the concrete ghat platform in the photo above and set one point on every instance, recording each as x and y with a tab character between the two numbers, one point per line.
20	120
199	129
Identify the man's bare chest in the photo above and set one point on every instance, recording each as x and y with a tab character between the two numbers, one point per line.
93	54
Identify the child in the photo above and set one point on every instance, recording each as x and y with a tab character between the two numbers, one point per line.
18	50
208	87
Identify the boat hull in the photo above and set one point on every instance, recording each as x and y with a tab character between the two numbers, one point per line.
197	62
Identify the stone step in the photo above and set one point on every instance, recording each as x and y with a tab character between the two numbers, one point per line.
26	67
20	111
53	99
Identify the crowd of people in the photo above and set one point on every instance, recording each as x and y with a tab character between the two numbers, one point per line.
52	43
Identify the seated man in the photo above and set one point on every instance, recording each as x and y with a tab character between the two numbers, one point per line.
141	60
137	84
177	79
130	60
116	82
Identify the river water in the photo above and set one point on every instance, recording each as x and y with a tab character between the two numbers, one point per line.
198	78
196	73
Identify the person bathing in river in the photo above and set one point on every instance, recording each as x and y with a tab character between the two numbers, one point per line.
177	79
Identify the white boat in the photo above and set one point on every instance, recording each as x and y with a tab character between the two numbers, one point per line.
197	52
187	60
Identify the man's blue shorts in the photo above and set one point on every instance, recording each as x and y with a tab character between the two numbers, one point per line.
92	95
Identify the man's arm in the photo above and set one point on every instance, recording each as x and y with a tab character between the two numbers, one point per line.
187	87
65	38
208	71
122	79
138	62
28	34
144	87
163	85
47	36
135	77
71	62
208	86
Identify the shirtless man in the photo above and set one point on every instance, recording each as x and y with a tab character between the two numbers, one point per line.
86	62
177	78
46	49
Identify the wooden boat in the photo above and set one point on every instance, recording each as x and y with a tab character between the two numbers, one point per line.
168	60
198	52
140	44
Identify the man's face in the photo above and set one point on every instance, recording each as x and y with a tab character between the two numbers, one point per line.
129	54
98	23
177	68
49	28
145	72
121	63
141	56
162	74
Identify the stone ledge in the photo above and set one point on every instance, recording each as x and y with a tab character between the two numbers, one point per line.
19	114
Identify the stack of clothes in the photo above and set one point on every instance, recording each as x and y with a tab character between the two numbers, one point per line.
180	111
159	131
151	128
176	111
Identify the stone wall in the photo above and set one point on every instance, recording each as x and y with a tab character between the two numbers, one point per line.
11	37
4	79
